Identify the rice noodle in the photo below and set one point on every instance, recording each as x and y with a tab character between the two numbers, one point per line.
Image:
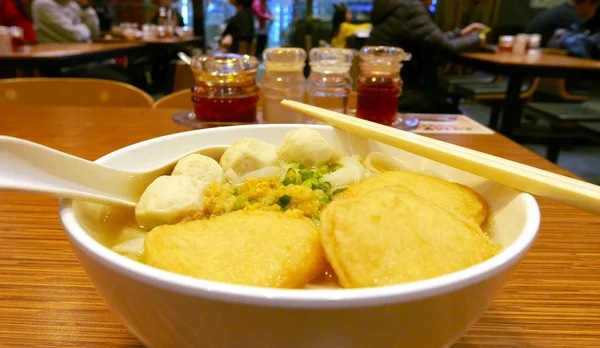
352	172
378	162
130	247
265	172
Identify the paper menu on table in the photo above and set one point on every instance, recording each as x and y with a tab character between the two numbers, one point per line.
449	124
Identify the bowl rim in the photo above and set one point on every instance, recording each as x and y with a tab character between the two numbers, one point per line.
295	298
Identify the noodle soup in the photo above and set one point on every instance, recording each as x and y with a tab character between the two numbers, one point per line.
262	205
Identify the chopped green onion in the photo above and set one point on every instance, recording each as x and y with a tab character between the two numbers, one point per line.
306	174
301	166
240	202
326	185
284	201
311	183
339	190
325	200
334	166
290	177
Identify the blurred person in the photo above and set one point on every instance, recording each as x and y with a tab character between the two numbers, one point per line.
342	29
15	13
106	13
408	24
62	21
239	33
169	6
562	16
262	12
68	21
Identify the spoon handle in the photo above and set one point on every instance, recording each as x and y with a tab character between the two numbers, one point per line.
27	166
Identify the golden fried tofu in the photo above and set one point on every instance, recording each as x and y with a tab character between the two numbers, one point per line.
392	236
258	248
456	198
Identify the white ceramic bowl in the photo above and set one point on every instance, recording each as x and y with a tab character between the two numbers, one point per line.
169	310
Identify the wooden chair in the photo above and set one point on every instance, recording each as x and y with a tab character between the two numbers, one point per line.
176	100
494	94
184	78
71	92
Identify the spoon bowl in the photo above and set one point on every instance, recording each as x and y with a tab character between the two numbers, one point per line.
31	167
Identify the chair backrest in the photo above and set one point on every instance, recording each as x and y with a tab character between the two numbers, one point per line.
184	78
71	92
176	100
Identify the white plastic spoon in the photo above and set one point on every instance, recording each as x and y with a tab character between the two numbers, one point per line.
27	166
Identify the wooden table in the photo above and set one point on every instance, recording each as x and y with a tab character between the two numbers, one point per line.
46	299
516	68
54	56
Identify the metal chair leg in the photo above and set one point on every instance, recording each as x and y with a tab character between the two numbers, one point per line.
552	153
494	117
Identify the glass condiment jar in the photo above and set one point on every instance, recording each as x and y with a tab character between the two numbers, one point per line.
329	84
225	88
379	83
283	79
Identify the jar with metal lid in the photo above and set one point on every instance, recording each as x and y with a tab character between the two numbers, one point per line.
284	79
379	83
225	88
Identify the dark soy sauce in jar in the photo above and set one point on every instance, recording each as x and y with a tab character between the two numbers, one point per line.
242	109
378	101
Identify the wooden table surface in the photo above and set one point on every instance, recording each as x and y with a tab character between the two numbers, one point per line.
517	68
67	49
59	55
544	60
46	299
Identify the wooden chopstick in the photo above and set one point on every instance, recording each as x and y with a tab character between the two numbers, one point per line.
529	179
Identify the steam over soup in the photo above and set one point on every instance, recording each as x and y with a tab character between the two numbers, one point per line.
301	215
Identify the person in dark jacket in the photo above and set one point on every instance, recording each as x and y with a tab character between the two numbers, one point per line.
562	16
408	24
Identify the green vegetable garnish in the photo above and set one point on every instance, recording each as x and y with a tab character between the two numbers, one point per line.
291	177
306	174
312	183
325	200
334	166
339	190
301	166
326	185
240	202
284	201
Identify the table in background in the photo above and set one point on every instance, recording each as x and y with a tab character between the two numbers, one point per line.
553	300
54	56
516	68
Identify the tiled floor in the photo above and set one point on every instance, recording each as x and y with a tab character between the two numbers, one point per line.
583	161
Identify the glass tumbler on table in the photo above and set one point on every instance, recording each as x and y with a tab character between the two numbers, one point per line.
330	83
283	79
379	83
225	88
17	38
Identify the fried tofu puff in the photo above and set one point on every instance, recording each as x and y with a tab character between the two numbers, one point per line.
456	198
257	248
307	146
201	167
392	236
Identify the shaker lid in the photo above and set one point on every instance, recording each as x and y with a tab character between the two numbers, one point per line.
329	59
383	54
284	59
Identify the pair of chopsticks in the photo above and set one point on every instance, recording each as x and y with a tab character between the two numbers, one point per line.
529	179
